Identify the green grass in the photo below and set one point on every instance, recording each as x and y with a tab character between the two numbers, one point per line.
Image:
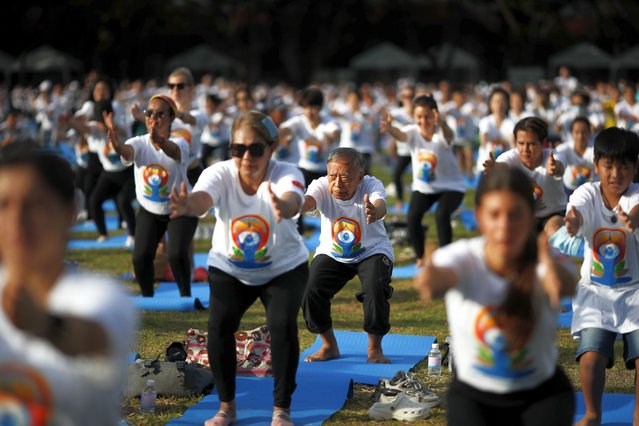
408	316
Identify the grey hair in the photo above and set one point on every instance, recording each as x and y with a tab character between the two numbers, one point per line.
349	154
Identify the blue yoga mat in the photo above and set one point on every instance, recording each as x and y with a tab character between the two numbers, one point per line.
114	242
472	182
112	224
313	241
167	298
404	272
404	351
617	409
467	217
315	400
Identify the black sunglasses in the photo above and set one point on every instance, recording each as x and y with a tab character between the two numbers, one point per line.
178	86
255	149
159	114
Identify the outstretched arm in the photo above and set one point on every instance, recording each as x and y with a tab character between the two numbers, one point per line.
385	125
125	151
309	204
434	281
286	206
185	204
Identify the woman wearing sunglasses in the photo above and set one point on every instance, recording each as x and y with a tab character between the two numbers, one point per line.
256	253
160	161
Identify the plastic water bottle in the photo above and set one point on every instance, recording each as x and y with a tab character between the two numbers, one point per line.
434	361
148	397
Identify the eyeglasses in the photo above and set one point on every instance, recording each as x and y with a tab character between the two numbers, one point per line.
178	86
159	114
255	149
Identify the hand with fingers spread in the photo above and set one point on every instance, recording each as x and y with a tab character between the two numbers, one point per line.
277	204
385	120
572	221
629	223
179	202
551	164
489	164
550	279
137	113
371	210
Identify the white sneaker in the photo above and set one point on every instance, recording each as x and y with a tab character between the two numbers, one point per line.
408	383
130	241
82	216
401	407
101	239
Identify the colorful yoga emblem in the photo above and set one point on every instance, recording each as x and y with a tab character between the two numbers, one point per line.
347	238
494	357
609	257
427	165
25	397
250	234
155	183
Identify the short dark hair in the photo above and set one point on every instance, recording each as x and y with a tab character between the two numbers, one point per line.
425	101
532	124
617	145
310	97
580	119
55	171
350	154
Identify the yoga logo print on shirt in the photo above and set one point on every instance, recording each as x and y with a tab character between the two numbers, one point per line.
580	174
538	196
25	397
356	129
494	357
313	151
609	257
427	165
183	133
155	183
249	234
347	238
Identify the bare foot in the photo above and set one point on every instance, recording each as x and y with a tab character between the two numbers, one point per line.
589	420
324	354
376	356
222	418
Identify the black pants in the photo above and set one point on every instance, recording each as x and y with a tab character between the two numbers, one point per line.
119	185
90	179
193	174
551	403
150	229
208	151
398	171
420	203
328	276
281	298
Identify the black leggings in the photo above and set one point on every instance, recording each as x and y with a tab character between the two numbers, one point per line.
420	203
90	179
281	298
120	185
400	167
551	403
328	276
150	229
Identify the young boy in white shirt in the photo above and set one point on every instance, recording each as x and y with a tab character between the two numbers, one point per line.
606	213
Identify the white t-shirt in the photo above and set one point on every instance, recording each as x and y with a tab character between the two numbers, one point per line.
622	110
357	132
488	126
70	390
156	173
550	196
401	118
247	241
345	236
579	169
481	358
109	159
119	119
311	157
435	168
192	134
217	131
608	291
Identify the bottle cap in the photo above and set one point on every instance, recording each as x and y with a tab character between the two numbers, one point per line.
150	383
435	346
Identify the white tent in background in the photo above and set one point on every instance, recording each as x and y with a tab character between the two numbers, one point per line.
6	62
628	59
201	58
386	57
455	60
47	59
581	56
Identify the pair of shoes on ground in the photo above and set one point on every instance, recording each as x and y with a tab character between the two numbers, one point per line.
129	243
402	397
226	417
